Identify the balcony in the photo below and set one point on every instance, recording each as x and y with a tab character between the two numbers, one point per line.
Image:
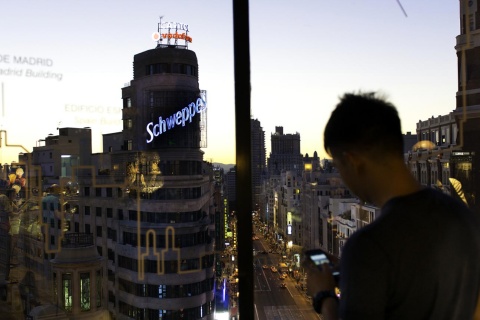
77	240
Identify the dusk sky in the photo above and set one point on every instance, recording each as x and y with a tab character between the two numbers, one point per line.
304	55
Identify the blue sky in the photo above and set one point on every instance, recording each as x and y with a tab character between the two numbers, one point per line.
304	54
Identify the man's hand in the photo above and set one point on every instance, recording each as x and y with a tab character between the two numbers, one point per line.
319	279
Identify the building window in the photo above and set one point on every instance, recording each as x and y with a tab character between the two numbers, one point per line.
98	211
128	102
85	291
162	292
127	123
98	192
87	228
129	144
99	231
109	213
67	292
87	210
86	191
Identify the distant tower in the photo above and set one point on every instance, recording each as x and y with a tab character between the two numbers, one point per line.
258	160
230	182
285	153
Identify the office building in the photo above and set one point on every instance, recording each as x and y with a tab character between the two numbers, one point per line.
152	208
285	152
258	163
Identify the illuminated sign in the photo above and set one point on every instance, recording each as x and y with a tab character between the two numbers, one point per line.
174	25
289	229
464	153
178	118
158	37
170	31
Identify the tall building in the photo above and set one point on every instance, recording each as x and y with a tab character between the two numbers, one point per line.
148	199
285	152
258	162
56	155
230	182
468	56
146	204
467	112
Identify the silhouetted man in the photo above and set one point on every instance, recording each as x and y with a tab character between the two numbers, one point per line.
420	259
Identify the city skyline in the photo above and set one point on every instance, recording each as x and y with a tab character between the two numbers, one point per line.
303	56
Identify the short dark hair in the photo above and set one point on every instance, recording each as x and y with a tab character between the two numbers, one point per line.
364	122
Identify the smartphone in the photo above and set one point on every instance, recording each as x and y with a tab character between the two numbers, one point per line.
319	257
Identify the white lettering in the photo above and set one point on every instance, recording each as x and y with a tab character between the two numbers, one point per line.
42	74
33	61
178	118
11	72
171	121
4	58
150	132
175	25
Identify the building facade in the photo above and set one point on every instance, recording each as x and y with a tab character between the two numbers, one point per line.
258	164
285	152
152	210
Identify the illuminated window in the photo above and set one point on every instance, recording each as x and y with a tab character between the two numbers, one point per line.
84	291
67	291
128	123
162	292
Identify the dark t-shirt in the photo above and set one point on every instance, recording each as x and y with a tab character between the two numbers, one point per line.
419	260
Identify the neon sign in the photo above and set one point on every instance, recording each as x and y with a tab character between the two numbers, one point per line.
170	30
178	118
176	35
174	25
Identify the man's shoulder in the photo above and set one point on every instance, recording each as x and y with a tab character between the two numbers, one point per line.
422	202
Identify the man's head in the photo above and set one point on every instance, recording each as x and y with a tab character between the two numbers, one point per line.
363	132
364	122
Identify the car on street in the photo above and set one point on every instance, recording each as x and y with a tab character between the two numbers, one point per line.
273	269
265	266
283	285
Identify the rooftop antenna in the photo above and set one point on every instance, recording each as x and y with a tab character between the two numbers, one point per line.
160	27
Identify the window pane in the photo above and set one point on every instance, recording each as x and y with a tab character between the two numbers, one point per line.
128	115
